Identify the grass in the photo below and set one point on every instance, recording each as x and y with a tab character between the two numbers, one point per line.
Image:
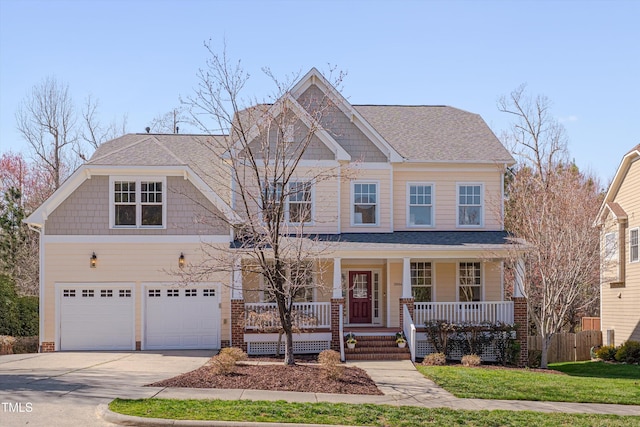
589	382
350	414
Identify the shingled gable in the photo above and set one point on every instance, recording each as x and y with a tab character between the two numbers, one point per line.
607	204
276	109
314	77
136	153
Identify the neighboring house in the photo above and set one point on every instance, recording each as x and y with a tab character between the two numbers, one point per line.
417	234
619	221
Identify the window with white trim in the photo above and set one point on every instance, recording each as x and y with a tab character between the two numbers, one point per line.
298	201
138	202
633	245
469	205
365	203
420	205
611	246
469	281
303	288
421	281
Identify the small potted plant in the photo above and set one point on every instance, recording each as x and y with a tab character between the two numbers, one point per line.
351	340
400	339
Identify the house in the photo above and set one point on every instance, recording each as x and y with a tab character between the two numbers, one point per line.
415	229
619	221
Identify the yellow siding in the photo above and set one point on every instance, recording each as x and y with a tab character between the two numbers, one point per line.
446	286
445	180
135	263
620	305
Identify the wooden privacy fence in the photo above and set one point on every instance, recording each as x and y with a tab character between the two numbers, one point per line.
568	347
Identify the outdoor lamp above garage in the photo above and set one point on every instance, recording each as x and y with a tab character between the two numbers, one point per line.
181	260
93	261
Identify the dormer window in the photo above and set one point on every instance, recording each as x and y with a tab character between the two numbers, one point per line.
137	202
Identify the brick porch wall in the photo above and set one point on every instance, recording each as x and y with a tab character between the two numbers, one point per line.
335	323
520	318
48	347
410	305
237	324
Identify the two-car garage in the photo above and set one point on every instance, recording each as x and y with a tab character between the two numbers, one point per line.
103	316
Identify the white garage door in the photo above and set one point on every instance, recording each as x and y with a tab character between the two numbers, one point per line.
96	318
182	317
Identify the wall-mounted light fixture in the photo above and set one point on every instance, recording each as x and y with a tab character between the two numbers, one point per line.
93	261
181	260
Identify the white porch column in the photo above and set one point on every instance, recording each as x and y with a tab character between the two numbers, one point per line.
518	288
337	278
236	279
406	278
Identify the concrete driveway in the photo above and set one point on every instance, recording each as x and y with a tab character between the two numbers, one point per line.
64	388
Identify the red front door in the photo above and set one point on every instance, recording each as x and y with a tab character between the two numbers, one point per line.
359	297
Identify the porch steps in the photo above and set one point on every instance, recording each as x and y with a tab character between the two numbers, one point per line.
377	347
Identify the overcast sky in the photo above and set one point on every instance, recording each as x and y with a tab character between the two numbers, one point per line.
138	57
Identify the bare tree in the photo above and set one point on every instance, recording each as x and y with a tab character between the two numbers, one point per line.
551	205
169	122
264	146
47	121
94	132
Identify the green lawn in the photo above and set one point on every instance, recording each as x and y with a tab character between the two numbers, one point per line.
592	382
365	415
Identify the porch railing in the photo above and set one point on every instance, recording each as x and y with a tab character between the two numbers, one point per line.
409	329
306	315
461	312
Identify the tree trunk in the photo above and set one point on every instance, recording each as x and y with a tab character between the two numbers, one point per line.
287	326
544	359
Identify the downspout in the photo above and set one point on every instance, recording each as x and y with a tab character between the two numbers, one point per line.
40	231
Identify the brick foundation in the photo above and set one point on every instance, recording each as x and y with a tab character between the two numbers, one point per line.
410	305
520	318
48	347
237	324
225	343
335	323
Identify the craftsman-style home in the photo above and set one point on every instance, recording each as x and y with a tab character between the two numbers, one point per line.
415	229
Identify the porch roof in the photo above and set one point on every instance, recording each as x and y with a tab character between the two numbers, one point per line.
445	241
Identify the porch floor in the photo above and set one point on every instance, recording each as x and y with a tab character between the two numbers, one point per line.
371	330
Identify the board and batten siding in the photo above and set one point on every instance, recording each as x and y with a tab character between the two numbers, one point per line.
445	180
130	263
86	212
621	305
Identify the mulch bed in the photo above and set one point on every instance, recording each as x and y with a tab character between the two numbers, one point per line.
305	378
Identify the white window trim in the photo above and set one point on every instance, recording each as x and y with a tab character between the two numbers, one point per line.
433	204
314	288
458	185
352	203
611	256
433	277
482	282
287	202
137	179
637	230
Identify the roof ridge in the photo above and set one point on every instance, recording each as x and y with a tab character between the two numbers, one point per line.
117	150
171	153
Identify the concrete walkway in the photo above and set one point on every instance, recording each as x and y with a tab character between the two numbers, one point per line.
401	384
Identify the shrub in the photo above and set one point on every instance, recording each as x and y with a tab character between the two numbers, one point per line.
471	360
606	353
629	352
223	364
18	315
234	352
330	363
6	344
25	345
435	359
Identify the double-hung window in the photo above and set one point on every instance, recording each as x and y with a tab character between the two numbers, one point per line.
470	205
138	202
300	204
633	245
421	281
420	205
298	282
365	203
297	199
469	281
